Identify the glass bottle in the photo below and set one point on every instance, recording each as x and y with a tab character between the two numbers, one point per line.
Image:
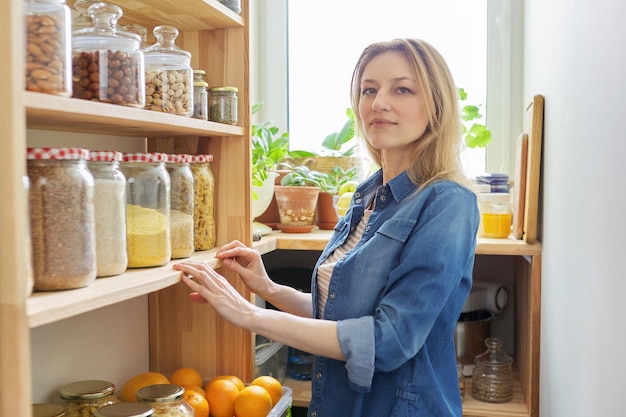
496	215
204	186
125	410
166	399
48	47
223	104
147	209
83	398
48	410
110	212
62	221
181	205
169	80
82	20
200	96
107	65
492	377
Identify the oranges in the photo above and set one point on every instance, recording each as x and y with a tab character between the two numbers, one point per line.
221	395
232	378
199	404
253	401
186	376
271	385
127	392
196	388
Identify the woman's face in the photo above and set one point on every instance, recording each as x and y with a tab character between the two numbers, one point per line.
391	106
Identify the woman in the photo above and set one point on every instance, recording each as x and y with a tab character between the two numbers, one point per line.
388	289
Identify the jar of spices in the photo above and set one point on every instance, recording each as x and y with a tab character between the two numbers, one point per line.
223	104
166	399
492	376
125	410
48	47
204	185
110	212
496	215
82	19
83	398
62	221
169	79
181	205
200	96
48	410
147	209
107	65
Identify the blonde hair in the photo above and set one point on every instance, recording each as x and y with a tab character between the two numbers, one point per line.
435	155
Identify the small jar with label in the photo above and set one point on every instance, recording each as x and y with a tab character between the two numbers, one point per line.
492	376
125	410
223	104
62	221
147	209
83	398
82	19
204	186
110	212
48	410
200	96
166	399
181	205
496	215
169	78
48	65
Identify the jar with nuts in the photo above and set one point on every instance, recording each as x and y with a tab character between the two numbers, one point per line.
48	47
107	63
169	77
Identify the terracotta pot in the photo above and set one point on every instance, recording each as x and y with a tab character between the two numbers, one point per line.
326	213
296	207
270	217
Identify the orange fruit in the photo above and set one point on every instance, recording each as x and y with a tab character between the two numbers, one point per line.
271	385
221	394
253	401
186	376
127	392
199	404
232	378
196	388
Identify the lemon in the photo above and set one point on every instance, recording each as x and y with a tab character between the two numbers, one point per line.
344	202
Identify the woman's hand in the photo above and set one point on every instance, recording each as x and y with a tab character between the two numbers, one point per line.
248	264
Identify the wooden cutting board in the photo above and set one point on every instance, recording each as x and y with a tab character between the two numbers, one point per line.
533	125
519	185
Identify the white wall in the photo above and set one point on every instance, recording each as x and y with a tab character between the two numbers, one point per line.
576	57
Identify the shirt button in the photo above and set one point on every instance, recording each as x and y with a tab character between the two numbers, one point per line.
367	228
383	198
332	296
313	413
318	375
358	201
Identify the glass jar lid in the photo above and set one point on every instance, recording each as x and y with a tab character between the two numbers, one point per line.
145	157
86	390
57	153
104	33
83	19
224	89
160	393
165	51
105	156
178	158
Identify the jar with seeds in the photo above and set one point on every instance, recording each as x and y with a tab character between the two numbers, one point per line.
166	399
223	104
181	205
83	398
204	185
107	64
62	220
48	47
169	79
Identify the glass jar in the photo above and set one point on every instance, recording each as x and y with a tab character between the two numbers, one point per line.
110	212
200	96
492	377
166	399
181	205
48	410
62	222
234	5
169	81
83	398
223	105
107	65
82	19
140	31
496	214
30	280
204	186
147	209
48	47
125	410
461	376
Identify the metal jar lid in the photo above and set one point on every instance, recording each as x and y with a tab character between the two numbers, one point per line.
87	390
125	410
160	393
48	410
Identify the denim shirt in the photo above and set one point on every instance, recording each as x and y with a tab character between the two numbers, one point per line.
396	297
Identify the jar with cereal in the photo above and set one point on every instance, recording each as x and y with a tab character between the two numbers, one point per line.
48	47
169	78
204	185
166	399
147	209
62	221
107	64
83	398
181	205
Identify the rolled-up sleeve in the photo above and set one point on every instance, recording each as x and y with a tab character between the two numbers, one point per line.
356	337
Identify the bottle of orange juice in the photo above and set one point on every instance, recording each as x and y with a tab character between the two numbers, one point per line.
496	215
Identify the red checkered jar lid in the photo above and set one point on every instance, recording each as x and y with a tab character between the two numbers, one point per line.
145	157
57	153
106	156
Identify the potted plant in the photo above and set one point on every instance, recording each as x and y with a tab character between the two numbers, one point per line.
475	135
296	197
336	182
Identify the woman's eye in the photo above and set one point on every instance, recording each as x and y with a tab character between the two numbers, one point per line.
403	90
368	91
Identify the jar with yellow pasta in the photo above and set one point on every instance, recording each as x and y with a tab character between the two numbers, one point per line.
83	398
204	185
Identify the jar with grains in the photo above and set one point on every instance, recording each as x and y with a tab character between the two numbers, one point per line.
181	205
82	19
147	209
48	410
107	64
83	398
223	104
200	96
110	212
30	281
492	376
62	221
48	47
169	80
166	399
125	410
204	186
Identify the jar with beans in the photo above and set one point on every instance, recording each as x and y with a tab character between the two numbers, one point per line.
48	47
147	209
62	220
181	205
83	398
107	65
204	185
169	79
166	399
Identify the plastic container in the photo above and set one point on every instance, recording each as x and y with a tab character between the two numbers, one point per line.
181	205
496	215
492	376
125	410
82	19
110	212
282	407
271	359
147	209
204	186
200	96
107	65
62	220
169	79
166	399
48	410
223	104
48	47
83	398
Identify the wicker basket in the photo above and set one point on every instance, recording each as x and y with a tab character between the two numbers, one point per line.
325	164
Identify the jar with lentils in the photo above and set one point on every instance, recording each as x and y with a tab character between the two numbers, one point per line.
107	64
166	399
181	205
147	209
48	47
62	220
223	104
110	212
83	398
204	186
169	79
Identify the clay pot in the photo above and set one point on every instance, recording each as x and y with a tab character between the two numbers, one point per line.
326	213
296	207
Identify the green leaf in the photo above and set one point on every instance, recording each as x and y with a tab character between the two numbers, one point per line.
478	136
